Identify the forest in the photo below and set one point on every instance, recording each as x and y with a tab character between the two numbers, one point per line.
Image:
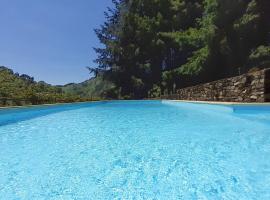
153	47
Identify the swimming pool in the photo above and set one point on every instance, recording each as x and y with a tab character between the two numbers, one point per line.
135	150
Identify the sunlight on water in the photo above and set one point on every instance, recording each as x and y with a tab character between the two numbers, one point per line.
135	150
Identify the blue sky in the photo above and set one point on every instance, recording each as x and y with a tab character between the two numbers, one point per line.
51	40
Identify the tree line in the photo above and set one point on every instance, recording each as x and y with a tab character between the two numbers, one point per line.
156	46
17	90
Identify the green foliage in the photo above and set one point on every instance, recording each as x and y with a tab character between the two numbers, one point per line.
155	92
93	88
195	63
191	38
260	56
18	90
163	43
249	19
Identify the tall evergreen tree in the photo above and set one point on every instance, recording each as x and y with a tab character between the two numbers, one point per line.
151	45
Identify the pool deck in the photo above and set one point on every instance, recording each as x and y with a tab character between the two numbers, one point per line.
223	103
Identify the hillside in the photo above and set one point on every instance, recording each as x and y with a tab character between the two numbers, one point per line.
16	89
92	88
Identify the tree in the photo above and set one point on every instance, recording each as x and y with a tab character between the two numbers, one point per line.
151	44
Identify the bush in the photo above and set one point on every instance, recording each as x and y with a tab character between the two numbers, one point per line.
155	92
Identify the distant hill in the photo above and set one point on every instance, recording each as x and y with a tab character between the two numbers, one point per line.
92	88
16	89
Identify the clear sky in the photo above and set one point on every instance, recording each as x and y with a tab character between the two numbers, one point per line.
51	40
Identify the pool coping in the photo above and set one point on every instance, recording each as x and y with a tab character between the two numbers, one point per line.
44	105
170	100
221	103
80	102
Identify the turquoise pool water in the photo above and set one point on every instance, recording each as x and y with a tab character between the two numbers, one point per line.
135	150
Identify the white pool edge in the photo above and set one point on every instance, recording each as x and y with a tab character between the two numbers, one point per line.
221	103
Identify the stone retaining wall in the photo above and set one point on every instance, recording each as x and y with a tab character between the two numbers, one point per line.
251	87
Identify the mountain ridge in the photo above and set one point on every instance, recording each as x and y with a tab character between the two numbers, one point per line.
21	89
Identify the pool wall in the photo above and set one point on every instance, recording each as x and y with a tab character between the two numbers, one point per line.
16	114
